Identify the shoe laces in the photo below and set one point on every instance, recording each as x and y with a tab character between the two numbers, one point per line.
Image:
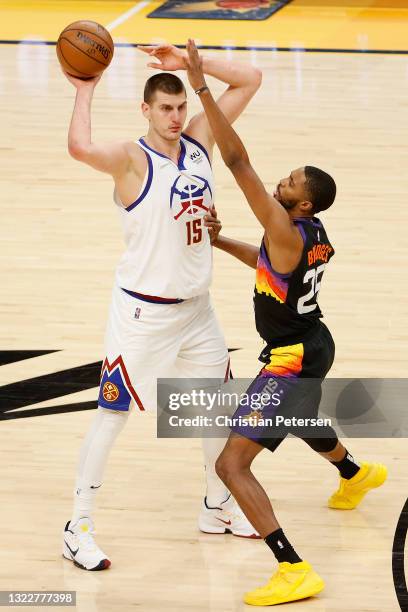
86	539
275	579
342	486
279	575
283	574
342	490
235	513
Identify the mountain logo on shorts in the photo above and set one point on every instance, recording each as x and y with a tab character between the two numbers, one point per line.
116	390
190	195
110	392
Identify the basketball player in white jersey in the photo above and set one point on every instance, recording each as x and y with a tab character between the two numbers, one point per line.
161	321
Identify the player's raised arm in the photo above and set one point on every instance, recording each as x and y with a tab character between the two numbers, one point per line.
111	158
243	81
268	211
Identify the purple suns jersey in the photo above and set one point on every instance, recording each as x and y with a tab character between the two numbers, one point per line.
168	250
286	304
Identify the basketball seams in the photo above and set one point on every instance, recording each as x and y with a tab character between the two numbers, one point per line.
95	49
69	64
85	25
111	45
84	52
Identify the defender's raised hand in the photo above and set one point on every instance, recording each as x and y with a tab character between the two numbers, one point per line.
194	66
170	58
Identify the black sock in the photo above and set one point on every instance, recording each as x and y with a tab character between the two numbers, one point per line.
347	466
281	547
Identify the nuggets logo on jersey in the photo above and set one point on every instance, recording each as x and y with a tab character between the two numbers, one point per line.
167	242
188	197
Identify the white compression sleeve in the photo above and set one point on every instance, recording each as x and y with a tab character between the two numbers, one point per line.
94	454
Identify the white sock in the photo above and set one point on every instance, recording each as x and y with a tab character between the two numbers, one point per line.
93	457
217	492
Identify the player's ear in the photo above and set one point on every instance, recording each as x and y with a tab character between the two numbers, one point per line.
145	110
306	207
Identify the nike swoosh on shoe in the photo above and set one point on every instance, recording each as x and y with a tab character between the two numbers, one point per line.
73	552
222	521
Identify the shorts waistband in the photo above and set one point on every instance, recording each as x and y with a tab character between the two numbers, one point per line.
153	299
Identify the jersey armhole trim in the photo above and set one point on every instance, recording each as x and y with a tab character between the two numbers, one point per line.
301	230
198	144
286	276
147	185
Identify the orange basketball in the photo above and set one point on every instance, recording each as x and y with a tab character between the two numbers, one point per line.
85	49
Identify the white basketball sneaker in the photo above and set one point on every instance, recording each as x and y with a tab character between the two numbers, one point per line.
227	518
80	547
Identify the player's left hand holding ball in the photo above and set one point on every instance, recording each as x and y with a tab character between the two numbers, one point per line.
168	56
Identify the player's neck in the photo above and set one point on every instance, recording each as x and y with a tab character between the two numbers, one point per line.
296	214
170	148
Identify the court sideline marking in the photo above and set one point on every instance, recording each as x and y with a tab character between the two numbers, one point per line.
235	48
125	16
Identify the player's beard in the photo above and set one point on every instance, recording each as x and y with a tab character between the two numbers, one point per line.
287	204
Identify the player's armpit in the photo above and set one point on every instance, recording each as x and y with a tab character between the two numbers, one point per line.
112	158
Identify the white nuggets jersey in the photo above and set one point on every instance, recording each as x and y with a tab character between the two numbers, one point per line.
168	252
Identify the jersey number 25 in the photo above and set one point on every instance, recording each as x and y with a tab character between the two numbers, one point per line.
308	303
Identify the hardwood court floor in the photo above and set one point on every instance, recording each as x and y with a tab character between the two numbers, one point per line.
340	24
60	244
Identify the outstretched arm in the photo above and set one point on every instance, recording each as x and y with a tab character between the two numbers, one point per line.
247	253
268	211
112	158
243	81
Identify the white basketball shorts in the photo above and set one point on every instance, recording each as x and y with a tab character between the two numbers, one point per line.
145	341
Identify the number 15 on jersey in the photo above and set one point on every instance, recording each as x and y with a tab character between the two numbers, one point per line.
194	231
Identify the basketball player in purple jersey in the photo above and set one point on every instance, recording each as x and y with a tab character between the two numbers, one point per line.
289	267
161	322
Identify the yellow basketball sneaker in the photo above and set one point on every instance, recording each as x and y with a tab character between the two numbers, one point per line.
351	492
291	582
